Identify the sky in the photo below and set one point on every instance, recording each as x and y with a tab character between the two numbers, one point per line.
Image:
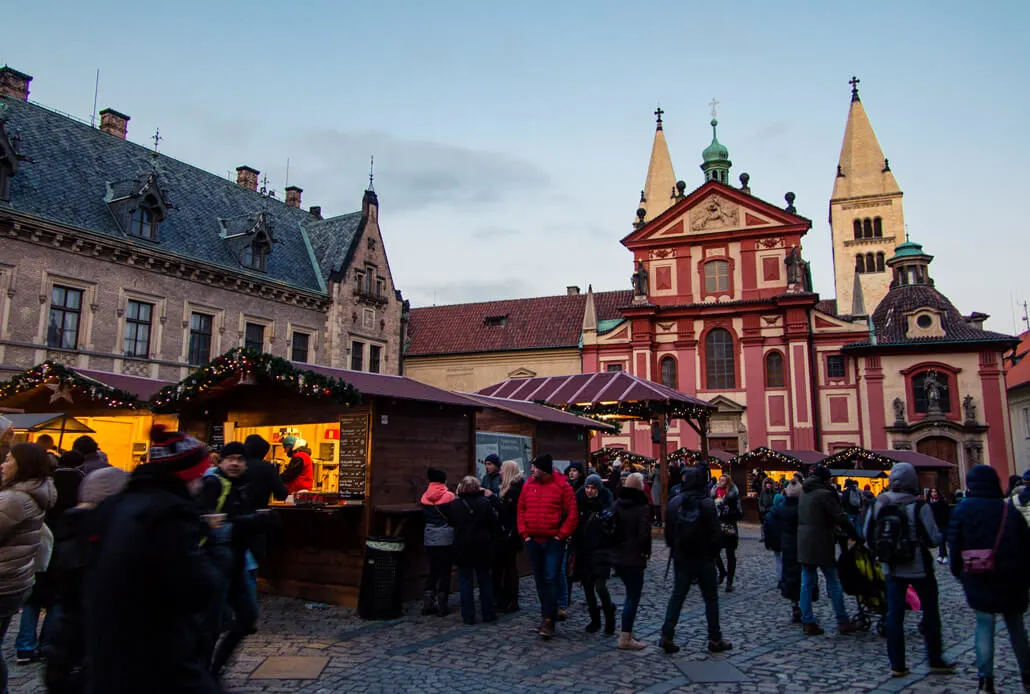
511	140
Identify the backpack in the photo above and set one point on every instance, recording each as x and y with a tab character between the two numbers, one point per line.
894	541
688	522
853	499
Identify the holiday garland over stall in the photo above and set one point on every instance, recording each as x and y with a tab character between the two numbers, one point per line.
65	379
266	370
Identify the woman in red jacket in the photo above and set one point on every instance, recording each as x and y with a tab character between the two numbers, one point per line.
299	474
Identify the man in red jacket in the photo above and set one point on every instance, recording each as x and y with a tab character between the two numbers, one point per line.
547	517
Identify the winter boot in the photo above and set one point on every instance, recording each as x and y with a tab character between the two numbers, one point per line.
628	643
813	629
986	685
595	620
546	629
429	602
668	645
441	604
609	620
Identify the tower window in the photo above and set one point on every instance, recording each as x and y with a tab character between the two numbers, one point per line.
878	227
860	263
867	228
879	262
870	262
857	224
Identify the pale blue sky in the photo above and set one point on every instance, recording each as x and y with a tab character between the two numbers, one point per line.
512	139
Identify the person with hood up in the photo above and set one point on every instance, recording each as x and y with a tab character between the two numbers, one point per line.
765	502
941	510
574	472
904	500
93	457
592	547
476	530
26	493
985	521
437	538
631	551
693	535
299	474
506	563
265	483
154	572
819	516
727	505
491	481
1021	497
547	518
790	571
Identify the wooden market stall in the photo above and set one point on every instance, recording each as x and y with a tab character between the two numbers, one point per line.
113	406
933	472
779	465
876	480
29	427
371	437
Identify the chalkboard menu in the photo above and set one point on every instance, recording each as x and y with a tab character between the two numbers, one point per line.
217	439
353	455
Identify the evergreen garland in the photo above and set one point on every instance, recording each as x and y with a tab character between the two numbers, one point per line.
763	454
266	370
66	378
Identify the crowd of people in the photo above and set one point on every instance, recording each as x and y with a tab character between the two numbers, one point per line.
148	580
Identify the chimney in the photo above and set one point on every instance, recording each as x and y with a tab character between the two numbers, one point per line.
368	201
316	211
293	196
114	123
572	290
14	84
247	177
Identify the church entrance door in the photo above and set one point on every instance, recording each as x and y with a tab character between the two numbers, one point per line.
942	448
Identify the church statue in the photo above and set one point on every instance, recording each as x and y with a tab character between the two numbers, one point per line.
970	408
795	267
639	280
899	410
932	386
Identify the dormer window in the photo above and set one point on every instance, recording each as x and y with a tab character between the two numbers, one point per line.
254	256
139	207
8	162
495	321
145	220
249	238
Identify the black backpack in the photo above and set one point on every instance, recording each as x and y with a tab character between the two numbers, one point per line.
894	541
688	521
853	499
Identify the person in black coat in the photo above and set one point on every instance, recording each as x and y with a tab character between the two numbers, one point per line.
975	525
151	579
506	562
631	550
265	482
941	516
790	574
591	545
476	532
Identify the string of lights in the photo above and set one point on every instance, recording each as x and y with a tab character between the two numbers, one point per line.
66	384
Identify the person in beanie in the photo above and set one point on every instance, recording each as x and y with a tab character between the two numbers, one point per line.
491	481
265	482
547	518
904	499
154	571
631	551
591	546
437	538
982	522
693	535
819	516
299	474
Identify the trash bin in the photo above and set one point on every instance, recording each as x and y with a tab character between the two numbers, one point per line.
380	596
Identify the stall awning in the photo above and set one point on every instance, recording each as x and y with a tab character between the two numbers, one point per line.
142	388
48	421
539	413
863	474
387	386
885	459
766	457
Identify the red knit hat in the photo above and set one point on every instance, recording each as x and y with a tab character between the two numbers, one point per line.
184	455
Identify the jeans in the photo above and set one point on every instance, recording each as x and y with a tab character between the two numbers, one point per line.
563	579
439	578
481	572
594	588
545	557
505	573
26	639
985	642
9	606
926	589
245	615
686	571
633	579
833	587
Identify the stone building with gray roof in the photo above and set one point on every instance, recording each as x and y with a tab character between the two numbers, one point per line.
119	259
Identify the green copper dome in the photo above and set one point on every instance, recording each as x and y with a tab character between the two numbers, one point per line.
909	249
715	151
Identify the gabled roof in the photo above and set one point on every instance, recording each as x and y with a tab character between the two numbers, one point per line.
546	322
68	167
1017	364
334	241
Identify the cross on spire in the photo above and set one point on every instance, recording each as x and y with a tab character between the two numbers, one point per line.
854	87
715	105
658	114
156	138
371	170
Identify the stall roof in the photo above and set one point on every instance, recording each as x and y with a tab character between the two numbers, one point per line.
918	460
886	458
143	388
864	474
540	413
387	386
795	457
48	421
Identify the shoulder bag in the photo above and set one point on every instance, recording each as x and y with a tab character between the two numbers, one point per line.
981	561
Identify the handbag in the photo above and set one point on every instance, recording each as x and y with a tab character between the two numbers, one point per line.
981	561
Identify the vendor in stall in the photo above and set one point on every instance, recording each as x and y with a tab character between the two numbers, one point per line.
299	474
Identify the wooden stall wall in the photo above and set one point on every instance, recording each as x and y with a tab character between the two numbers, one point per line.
563	442
501	422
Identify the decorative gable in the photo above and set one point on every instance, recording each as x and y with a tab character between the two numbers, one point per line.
138	206
249	238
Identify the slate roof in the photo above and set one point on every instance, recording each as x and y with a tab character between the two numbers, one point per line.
68	169
1017	365
891	324
545	322
334	241
827	306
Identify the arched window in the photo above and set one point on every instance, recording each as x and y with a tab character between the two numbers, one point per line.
669	373
919	394
857	224
774	370
717	276
145	220
879	262
870	262
719	362
878	227
254	255
859	263
867	228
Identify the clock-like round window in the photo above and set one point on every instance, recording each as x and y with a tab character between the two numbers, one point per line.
924	321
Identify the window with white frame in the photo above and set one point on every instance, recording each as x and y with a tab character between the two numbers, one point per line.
139	317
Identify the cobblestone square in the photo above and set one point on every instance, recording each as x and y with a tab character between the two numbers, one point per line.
432	654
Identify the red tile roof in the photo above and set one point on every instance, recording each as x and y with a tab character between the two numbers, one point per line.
1017	365
545	322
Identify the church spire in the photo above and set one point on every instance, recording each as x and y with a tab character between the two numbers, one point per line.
715	159
660	187
862	169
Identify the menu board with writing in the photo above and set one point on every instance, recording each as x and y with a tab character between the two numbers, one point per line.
353	455
217	439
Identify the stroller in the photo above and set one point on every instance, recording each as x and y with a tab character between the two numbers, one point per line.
861	576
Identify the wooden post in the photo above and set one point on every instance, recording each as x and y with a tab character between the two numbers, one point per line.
663	464
702	430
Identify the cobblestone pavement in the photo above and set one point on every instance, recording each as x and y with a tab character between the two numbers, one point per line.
431	654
